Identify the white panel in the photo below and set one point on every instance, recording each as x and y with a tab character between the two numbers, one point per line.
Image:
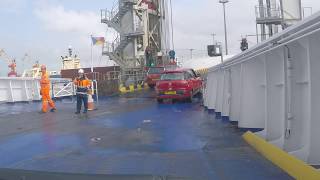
253	95
275	123
19	89
29	90
298	138
207	89
220	84
291	11
3	90
213	93
235	93
36	90
226	93
314	154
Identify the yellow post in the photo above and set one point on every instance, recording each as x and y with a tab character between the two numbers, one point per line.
122	89
139	87
131	87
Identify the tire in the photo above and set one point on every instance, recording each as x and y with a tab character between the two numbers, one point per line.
189	99
160	101
199	94
151	86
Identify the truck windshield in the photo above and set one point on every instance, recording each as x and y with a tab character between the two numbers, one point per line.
172	76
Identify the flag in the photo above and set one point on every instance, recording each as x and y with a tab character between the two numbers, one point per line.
97	40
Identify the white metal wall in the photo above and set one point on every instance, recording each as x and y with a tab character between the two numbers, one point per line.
19	89
275	86
235	95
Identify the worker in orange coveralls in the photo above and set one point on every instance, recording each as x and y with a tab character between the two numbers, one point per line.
45	91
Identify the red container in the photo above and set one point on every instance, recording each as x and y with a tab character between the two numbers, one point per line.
99	73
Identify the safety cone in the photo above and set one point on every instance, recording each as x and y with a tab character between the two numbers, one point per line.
90	102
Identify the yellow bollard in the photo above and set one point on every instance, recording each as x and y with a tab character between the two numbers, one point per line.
139	87
131	87
122	89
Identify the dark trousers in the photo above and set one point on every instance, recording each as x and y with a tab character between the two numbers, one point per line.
80	98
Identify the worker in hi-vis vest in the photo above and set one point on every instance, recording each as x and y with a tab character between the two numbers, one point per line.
82	84
45	91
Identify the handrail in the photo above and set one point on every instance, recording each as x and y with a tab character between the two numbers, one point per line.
272	12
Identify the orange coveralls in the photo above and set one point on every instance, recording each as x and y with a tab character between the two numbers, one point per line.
45	92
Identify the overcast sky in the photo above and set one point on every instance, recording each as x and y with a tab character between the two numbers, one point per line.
45	28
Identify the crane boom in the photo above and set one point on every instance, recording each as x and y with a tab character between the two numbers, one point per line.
5	56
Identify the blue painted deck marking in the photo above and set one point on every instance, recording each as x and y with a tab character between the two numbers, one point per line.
138	136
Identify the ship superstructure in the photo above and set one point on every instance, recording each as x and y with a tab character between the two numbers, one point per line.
143	33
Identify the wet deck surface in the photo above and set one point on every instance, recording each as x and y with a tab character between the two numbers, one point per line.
129	135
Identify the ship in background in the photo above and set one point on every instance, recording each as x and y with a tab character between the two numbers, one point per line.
70	61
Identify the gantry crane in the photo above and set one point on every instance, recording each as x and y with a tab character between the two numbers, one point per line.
11	63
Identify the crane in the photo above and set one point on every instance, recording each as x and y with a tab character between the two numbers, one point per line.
24	59
11	63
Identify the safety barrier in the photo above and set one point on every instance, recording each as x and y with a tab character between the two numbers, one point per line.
62	88
22	89
275	86
19	89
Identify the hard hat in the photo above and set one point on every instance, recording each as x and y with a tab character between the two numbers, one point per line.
81	71
43	66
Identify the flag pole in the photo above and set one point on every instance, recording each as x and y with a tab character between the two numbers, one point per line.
91	55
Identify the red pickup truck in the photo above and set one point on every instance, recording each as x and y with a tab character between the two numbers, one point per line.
178	84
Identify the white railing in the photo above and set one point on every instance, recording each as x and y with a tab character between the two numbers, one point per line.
110	14
62	88
111	47
65	88
275	86
263	12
